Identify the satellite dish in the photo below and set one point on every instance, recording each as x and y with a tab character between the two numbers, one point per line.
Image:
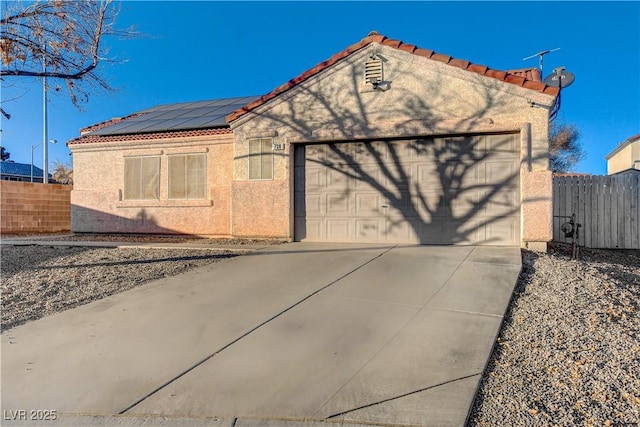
560	78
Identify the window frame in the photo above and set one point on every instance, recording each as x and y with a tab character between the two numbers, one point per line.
140	180
260	157
186	172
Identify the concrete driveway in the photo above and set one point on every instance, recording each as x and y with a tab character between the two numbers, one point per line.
294	334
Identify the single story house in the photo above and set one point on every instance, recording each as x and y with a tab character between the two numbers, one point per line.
11	171
382	142
625	158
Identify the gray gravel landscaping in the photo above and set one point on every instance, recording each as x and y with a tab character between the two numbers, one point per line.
38	281
568	353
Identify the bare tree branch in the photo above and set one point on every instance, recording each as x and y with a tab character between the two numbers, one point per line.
58	39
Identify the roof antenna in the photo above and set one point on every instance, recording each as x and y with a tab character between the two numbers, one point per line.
541	55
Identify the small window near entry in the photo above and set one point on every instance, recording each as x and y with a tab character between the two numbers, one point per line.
261	158
142	178
187	176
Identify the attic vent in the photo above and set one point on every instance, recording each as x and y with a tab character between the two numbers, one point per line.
373	70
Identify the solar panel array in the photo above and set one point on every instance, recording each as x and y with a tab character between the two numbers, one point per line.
182	116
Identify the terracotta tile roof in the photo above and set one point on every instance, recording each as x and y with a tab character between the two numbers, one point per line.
87	139
532	74
526	78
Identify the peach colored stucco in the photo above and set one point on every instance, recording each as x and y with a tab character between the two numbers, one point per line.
624	157
418	97
97	204
536	205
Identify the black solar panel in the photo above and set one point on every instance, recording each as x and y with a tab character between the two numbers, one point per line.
182	116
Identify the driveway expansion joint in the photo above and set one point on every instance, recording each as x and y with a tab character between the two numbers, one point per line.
251	331
403	395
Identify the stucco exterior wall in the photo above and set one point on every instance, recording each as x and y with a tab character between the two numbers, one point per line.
97	204
260	209
420	97
627	158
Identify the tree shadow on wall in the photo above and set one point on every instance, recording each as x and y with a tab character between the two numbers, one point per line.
430	190
455	187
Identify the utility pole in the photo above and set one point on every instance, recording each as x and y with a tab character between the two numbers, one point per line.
45	151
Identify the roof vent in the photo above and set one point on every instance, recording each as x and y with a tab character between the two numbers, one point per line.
373	70
373	33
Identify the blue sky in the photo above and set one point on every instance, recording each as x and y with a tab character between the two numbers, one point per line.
206	50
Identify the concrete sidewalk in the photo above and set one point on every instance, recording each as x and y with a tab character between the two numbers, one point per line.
295	334
197	245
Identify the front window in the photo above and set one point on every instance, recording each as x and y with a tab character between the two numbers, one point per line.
142	178
187	176
261	158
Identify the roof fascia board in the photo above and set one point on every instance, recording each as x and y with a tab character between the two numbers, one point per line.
140	144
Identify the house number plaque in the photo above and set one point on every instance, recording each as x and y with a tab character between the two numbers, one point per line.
278	146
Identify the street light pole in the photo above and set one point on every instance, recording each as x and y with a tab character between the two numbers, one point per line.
33	147
45	153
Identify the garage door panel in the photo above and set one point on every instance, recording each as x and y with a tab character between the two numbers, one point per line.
501	145
433	233
501	230
369	204
467	232
401	230
454	147
370	174
501	172
338	229
369	229
309	229
467	204
400	206
313	154
435	204
426	176
339	153
467	201
373	152
315	179
503	202
464	174
407	151
338	203
336	180
310	205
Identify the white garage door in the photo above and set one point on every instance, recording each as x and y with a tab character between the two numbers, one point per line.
449	190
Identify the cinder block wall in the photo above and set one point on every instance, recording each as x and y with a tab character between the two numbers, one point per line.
34	208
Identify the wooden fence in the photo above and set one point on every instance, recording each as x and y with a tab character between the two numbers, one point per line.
608	207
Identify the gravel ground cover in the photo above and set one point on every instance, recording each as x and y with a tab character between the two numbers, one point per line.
38	281
142	238
568	353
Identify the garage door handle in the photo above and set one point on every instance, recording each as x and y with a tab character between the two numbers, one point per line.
385	206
